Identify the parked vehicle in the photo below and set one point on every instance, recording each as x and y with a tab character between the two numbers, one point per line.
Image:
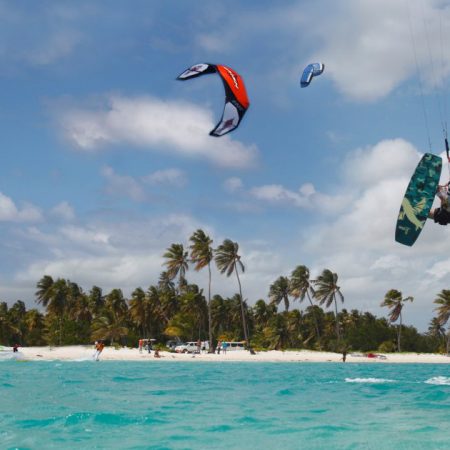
191	347
171	344
233	346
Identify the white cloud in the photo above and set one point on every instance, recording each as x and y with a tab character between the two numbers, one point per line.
85	236
276	193
306	197
369	47
357	242
9	212
63	211
173	177
53	48
357	238
122	185
147	122
440	269
233	184
389	159
121	254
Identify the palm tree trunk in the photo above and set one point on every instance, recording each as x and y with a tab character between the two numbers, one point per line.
314	316
399	334
447	342
338	334
244	324
211	350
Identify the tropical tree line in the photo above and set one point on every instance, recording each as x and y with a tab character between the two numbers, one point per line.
173	308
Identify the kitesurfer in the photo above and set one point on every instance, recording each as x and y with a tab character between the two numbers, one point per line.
441	215
99	346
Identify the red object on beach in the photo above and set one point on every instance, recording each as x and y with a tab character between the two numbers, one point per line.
371	355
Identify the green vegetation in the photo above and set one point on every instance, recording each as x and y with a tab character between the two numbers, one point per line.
174	308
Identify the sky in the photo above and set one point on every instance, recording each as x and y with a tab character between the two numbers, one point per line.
106	159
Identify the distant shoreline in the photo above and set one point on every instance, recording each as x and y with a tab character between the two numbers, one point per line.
86	352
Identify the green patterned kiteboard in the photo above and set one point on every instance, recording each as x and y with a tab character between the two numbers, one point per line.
418	199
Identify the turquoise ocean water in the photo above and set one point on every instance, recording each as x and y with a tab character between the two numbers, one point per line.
196	405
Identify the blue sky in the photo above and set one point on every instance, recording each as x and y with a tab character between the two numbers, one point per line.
107	161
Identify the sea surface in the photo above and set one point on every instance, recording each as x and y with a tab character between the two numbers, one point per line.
228	405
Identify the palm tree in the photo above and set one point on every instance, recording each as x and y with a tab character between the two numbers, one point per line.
394	301
294	324
227	261
110	325
44	292
116	302
193	310
96	300
177	263
276	333
437	330
327	291
201	255
53	295
34	326
137	311
81	309
7	329
74	294
262	313
219	314
279	291
165	283
300	287
16	316
443	310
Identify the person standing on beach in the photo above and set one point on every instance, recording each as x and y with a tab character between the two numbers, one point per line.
99	346
224	347
141	343
344	355
219	346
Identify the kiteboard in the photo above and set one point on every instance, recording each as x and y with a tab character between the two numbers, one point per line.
418	199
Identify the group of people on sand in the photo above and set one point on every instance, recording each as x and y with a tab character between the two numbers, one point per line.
222	346
147	343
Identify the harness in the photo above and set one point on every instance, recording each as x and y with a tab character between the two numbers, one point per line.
441	216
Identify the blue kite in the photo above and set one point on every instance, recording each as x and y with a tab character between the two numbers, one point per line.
311	70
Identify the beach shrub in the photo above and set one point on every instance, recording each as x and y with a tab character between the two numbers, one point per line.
387	347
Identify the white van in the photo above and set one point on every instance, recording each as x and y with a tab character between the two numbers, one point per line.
191	347
232	346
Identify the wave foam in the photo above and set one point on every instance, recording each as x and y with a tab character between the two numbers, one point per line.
10	356
369	380
445	381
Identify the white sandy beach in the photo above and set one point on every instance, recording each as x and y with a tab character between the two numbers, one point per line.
81	353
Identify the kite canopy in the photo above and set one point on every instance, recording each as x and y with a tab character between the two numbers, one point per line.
236	100
311	70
